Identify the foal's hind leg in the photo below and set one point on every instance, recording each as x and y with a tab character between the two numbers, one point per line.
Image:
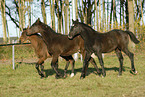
95	65
101	63
72	62
66	67
131	56
69	59
120	57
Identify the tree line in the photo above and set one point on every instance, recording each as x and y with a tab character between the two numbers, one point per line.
102	15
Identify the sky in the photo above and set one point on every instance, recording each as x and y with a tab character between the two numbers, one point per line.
37	9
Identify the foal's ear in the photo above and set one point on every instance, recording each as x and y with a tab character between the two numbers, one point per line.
38	20
27	27
77	20
72	21
24	29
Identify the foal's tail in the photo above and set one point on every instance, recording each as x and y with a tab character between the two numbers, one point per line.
132	36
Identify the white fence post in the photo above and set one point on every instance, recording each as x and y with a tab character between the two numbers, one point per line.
13	55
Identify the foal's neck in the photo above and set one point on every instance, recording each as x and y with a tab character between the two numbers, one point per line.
86	34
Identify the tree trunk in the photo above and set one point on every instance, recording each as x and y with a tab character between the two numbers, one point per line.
108	15
96	15
7	32
141	7
131	20
104	17
76	4
43	11
127	14
111	14
53	15
100	15
66	15
20	16
3	20
115	24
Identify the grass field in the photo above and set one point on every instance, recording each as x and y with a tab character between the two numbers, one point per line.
25	82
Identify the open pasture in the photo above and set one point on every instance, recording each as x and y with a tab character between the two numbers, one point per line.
25	82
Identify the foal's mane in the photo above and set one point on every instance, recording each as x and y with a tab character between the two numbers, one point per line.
87	27
48	29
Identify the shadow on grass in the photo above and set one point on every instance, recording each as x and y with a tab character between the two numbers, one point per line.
19	63
50	72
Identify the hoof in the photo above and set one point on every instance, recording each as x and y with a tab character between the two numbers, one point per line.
119	75
72	75
64	76
103	75
82	77
99	73
58	76
42	75
134	72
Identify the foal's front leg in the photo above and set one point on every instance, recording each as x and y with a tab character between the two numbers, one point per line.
54	65
85	65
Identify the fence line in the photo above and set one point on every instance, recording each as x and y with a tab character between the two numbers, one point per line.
13	50
14	44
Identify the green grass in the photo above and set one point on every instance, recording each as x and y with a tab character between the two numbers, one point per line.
21	51
25	82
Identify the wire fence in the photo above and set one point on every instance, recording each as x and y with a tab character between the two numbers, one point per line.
17	51
12	50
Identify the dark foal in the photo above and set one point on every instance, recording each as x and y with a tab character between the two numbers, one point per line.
58	44
99	43
41	51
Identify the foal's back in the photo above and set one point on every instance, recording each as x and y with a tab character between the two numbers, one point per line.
109	41
65	47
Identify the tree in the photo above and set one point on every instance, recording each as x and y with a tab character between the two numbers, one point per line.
66	15
2	5
43	11
53	14
131	19
86	11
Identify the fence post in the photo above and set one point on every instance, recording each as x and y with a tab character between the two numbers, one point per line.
13	55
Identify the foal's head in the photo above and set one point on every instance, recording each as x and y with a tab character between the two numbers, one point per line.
35	28
24	37
75	29
79	28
